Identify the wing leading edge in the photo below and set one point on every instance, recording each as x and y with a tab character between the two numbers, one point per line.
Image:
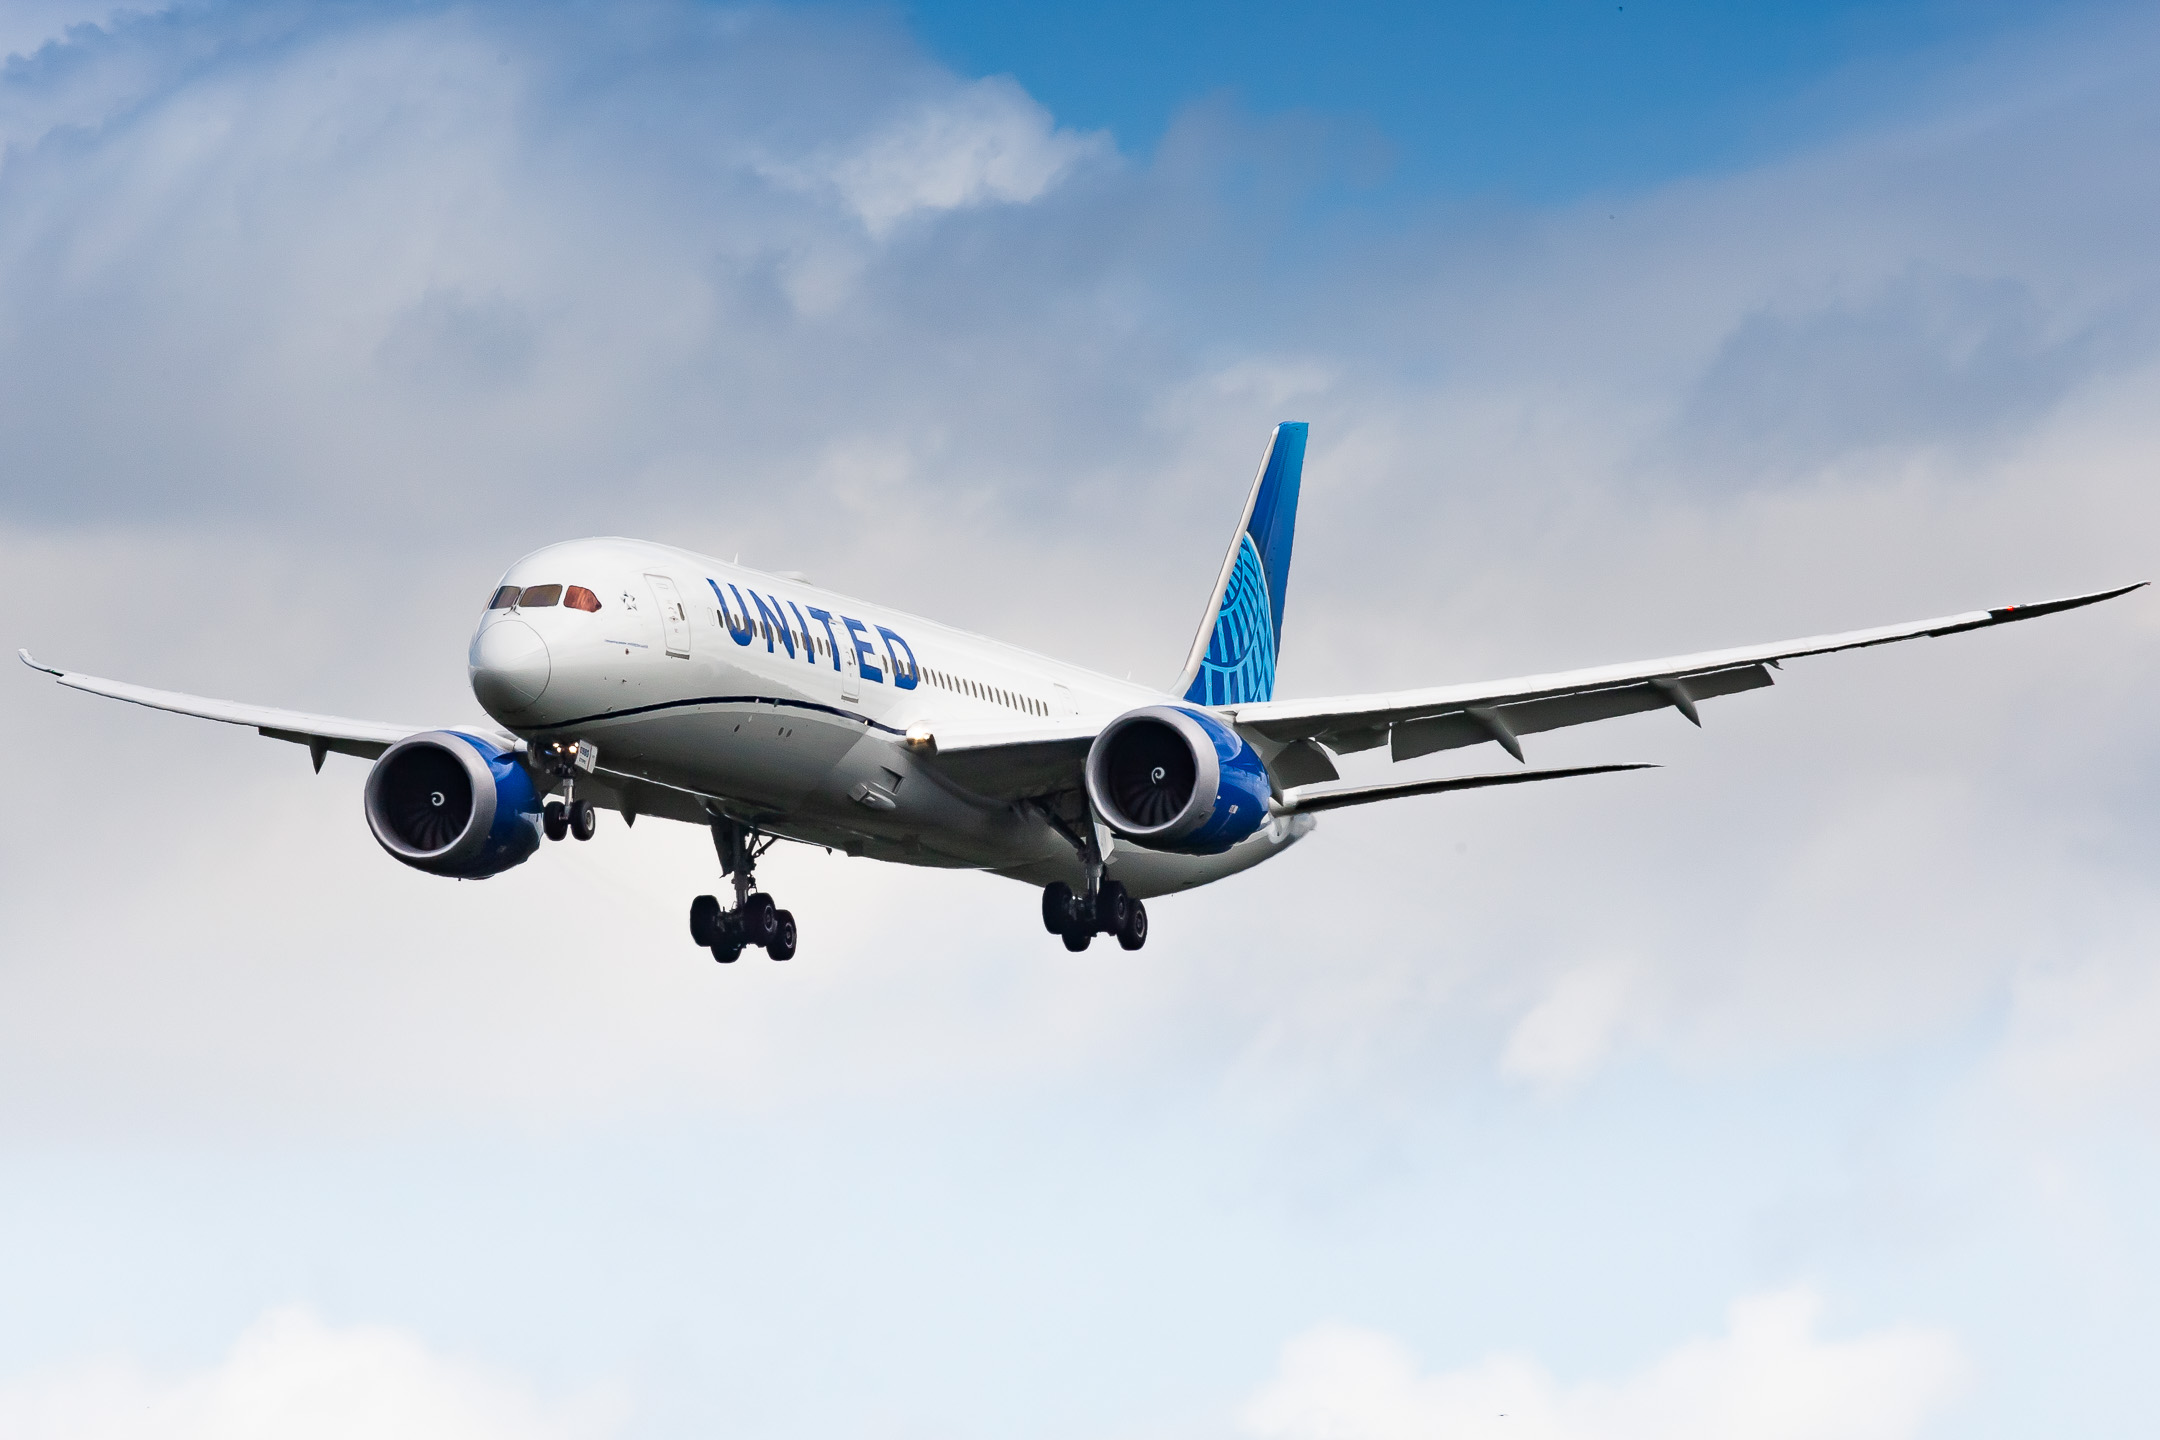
1419	722
320	733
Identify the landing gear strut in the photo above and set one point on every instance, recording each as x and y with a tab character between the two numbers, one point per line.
562	760
754	921
1104	908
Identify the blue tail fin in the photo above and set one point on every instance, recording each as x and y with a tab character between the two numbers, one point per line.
1233	657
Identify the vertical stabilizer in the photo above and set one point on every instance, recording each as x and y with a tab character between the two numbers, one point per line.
1233	657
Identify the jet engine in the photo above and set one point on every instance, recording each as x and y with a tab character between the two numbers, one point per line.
449	804
1176	779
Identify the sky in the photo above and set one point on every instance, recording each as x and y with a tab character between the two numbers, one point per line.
1804	1086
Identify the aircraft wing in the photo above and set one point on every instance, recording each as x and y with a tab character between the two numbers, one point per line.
1018	761
1419	722
320	733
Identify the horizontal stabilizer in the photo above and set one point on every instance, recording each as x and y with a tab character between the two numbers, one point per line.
1310	799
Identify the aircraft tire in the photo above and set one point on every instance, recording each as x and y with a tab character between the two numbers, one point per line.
728	953
555	819
760	920
1077	939
705	921
783	943
1113	906
1133	933
1057	906
583	822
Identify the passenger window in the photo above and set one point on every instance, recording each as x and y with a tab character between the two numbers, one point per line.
577	597
504	598
538	596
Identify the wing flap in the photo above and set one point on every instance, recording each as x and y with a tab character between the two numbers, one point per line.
1413	738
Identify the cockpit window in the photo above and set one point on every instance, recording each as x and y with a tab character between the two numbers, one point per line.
536	596
504	598
577	597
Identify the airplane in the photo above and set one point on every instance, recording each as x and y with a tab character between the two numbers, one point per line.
650	680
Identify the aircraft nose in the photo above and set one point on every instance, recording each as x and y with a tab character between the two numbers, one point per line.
509	665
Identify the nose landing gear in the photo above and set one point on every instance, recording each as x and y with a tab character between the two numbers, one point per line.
576	818
569	815
755	920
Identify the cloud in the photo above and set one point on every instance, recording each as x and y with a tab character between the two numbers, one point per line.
987	143
291	1374
1770	1376
1571	1029
27	25
1928	359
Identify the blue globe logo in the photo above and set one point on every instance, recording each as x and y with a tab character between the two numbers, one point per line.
1239	666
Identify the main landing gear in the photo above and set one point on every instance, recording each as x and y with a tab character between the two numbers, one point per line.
1105	907
754	921
569	815
1111	911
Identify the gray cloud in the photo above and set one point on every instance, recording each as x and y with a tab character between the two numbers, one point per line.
1929	359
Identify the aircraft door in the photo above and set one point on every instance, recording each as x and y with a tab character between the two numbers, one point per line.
850	670
674	619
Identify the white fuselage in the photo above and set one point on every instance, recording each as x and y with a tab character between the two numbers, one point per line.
716	691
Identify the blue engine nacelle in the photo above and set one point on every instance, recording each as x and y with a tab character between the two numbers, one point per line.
1176	779
449	804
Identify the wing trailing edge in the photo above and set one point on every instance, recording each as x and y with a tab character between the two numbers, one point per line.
1333	797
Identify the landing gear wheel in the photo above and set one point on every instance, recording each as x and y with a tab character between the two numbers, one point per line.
1057	907
1133	933
782	945
705	921
1077	940
555	820
1113	906
760	920
583	822
728	953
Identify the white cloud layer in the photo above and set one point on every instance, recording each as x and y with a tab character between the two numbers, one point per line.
1770	1376
292	1375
